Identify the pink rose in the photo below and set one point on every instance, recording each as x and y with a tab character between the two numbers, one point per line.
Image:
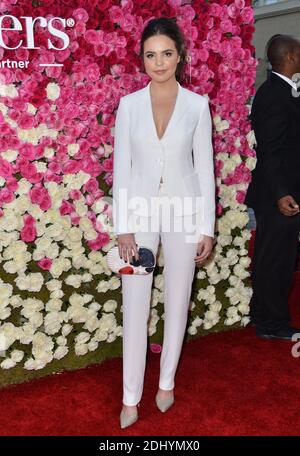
239	3
66	208
203	55
93	37
75	194
26	121
29	220
28	233
80	15
6	195
247	15
155	348
91	186
240	196
12	184
39	195
72	167
6	169
219	210
75	218
45	263
27	151
101	240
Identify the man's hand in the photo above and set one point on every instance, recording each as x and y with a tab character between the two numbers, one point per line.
204	249
127	245
288	206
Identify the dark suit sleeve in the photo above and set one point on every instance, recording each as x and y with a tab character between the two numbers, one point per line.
270	124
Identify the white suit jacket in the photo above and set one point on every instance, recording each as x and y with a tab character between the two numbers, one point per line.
183	156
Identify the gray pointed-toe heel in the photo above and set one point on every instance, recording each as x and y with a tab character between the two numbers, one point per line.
164	404
126	420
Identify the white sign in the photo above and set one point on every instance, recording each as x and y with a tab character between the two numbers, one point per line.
27	24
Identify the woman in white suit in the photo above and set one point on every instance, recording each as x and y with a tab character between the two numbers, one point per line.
162	149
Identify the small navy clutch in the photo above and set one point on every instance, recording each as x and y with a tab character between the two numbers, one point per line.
143	266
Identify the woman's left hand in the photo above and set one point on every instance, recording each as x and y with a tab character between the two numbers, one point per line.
204	249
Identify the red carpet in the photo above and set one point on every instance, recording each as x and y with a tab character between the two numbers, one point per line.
227	384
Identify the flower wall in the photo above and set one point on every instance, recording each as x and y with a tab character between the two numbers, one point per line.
59	303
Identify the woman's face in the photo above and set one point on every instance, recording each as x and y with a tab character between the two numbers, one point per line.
160	57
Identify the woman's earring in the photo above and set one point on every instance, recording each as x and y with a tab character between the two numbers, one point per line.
189	60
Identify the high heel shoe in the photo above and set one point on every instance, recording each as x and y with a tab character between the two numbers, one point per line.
164	404
126	420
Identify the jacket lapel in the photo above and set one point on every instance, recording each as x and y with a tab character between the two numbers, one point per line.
180	108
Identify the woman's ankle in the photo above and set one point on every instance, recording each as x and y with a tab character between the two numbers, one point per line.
165	392
130	408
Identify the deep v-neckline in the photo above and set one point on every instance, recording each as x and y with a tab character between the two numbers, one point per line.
171	117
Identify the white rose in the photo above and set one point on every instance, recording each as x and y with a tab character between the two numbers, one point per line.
77	314
53	305
53	91
75	234
52	322
192	330
17	355
82	209
76	299
101	335
93	345
8	364
95	256
74	280
220	124
107	322
90	235
56	294
231	312
159	281
251	139
60	352
102	286
245	321
87	298
72	149
36	281
54	285
82	338
86	277
79	261
96	269
36	320
110	305
81	349
42	342
30	364
211	315
27	333
16	301
111	337
8	90
22	282
91	324
243	308
66	329
114	283
56	268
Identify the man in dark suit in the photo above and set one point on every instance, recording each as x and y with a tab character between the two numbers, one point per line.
274	192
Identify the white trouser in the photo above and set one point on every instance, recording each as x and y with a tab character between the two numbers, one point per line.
178	273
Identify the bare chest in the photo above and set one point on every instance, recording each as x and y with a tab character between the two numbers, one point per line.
162	111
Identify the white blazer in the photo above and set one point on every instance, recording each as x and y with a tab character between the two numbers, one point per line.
183	156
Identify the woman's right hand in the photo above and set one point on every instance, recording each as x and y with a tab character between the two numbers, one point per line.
127	247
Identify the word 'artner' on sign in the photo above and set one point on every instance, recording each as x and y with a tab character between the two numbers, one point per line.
14	63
